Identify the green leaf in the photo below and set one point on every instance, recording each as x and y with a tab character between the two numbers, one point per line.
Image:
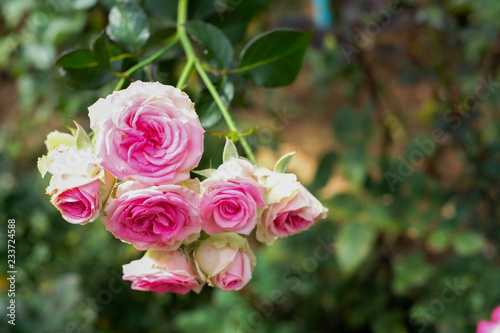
128	26
208	111
80	72
88	78
354	244
324	171
274	58
283	163
215	41
468	243
82	139
439	240
354	166
100	51
83	58
230	151
410	272
83	4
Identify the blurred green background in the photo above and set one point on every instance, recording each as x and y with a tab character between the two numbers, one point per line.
395	123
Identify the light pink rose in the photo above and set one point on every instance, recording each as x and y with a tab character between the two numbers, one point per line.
163	271
79	186
231	198
148	132
490	327
291	207
231	206
153	216
225	261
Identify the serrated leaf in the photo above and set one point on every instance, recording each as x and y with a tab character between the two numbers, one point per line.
274	58
128	26
100	51
283	163
215	41
354	243
230	151
77	59
82	139
208	111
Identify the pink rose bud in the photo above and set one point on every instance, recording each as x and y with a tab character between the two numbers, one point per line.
148	132
79	186
490	327
225	261
80	204
163	271
231	199
153	216
291	207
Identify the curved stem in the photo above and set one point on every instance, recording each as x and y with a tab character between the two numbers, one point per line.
192	59
170	43
185	73
225	113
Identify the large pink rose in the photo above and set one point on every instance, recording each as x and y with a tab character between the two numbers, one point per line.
148	132
225	261
153	216
291	207
163	271
490	327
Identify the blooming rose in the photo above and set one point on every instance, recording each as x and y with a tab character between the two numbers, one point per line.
153	216
163	271
231	198
291	207
148	132
79	187
225	261
490	327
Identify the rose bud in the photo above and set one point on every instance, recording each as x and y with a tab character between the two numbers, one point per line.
79	187
163	271
225	261
291	207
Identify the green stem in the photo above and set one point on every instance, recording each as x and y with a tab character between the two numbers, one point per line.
185	73
225	113
191	56
169	44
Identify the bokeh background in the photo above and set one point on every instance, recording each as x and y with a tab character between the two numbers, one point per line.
395	126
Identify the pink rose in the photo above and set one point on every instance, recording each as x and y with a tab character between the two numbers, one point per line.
291	208
79	186
225	261
231	198
490	327
80	204
153	216
163	271
148	132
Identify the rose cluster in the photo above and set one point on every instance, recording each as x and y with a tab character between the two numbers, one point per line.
135	170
